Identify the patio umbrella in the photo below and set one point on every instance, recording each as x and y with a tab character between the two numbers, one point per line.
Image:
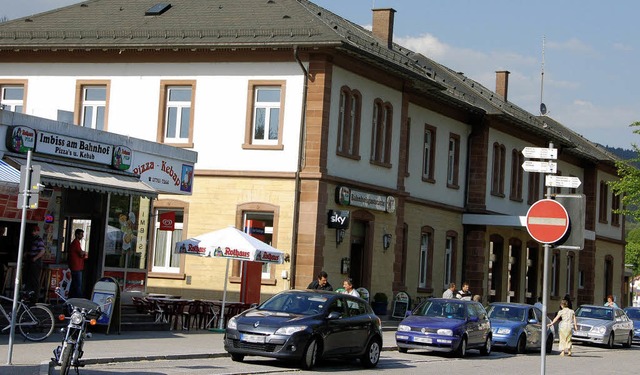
231	244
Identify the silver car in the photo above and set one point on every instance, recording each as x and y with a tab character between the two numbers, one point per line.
603	325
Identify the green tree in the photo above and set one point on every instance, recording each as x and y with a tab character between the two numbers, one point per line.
628	184
632	250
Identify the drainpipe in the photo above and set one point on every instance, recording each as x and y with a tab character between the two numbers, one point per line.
301	163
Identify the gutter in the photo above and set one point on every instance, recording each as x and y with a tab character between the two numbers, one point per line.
301	164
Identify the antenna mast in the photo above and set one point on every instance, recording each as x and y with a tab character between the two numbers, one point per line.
543	107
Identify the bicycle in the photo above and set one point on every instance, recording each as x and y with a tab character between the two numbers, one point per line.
35	322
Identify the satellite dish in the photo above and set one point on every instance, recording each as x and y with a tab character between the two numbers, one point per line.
543	109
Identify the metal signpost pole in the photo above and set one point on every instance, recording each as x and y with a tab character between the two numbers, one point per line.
545	296
16	289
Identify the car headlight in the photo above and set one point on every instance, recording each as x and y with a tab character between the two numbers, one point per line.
76	318
599	330
404	328
232	324
445	332
290	330
504	331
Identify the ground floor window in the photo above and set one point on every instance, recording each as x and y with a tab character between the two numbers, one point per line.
164	258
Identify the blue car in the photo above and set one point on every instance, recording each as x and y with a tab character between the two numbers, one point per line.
634	314
517	327
445	325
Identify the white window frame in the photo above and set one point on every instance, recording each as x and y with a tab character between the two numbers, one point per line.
13	105
424	260
268	123
95	106
426	158
180	106
448	260
451	162
169	243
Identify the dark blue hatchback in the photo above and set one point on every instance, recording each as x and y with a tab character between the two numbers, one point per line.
446	325
306	325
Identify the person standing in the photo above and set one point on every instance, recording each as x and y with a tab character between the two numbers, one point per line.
538	304
33	262
76	264
464	293
450	292
321	283
567	319
347	284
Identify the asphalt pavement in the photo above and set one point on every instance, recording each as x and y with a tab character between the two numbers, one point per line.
34	358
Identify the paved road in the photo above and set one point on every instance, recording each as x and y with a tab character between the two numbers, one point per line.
586	360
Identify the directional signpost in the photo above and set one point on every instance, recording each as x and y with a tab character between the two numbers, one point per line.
540	166
562	181
547	221
540	153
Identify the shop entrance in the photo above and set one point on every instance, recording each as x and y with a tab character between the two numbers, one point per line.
360	254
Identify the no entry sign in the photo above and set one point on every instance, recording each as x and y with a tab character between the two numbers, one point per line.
547	221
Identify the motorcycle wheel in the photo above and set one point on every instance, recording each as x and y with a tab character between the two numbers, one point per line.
65	359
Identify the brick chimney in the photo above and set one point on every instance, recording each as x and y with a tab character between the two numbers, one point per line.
502	83
383	25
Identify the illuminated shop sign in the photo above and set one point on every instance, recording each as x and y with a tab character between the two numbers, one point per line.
350	197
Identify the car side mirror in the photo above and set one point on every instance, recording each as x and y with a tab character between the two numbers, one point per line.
533	321
334	315
408	313
473	319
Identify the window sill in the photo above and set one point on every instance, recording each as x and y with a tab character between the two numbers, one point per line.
238	280
166	275
430	180
348	156
380	163
515	199
499	195
453	186
249	146
180	145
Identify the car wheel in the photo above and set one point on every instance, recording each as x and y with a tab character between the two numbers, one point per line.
403	350
521	346
549	347
627	344
611	341
486	348
237	357
462	348
309	355
371	356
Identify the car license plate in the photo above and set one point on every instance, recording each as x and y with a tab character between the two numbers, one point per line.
252	338
424	340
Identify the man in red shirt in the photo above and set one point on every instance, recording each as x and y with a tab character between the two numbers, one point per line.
76	264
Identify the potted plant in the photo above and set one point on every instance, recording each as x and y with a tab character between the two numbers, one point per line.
379	304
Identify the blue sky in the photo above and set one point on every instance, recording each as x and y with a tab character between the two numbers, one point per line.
590	57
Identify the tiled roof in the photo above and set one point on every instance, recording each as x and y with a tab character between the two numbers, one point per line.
256	24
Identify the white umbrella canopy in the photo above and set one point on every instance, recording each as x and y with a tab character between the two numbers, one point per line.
231	244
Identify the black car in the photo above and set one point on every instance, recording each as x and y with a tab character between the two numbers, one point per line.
307	325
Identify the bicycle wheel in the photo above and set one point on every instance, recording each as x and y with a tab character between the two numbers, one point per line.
36	323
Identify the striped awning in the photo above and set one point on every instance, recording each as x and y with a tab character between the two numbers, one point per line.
8	174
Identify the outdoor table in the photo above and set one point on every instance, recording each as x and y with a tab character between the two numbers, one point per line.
170	309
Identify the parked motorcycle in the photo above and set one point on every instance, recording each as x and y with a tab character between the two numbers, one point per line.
83	313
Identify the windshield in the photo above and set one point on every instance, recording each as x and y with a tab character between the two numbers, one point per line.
633	314
506	313
295	303
594	313
444	309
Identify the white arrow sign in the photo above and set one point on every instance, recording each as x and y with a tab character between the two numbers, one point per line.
540	166
562	181
540	153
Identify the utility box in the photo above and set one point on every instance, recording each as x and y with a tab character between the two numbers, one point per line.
575	204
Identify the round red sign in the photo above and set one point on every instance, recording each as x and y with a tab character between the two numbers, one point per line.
547	221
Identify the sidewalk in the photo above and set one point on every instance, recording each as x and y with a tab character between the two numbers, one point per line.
34	357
